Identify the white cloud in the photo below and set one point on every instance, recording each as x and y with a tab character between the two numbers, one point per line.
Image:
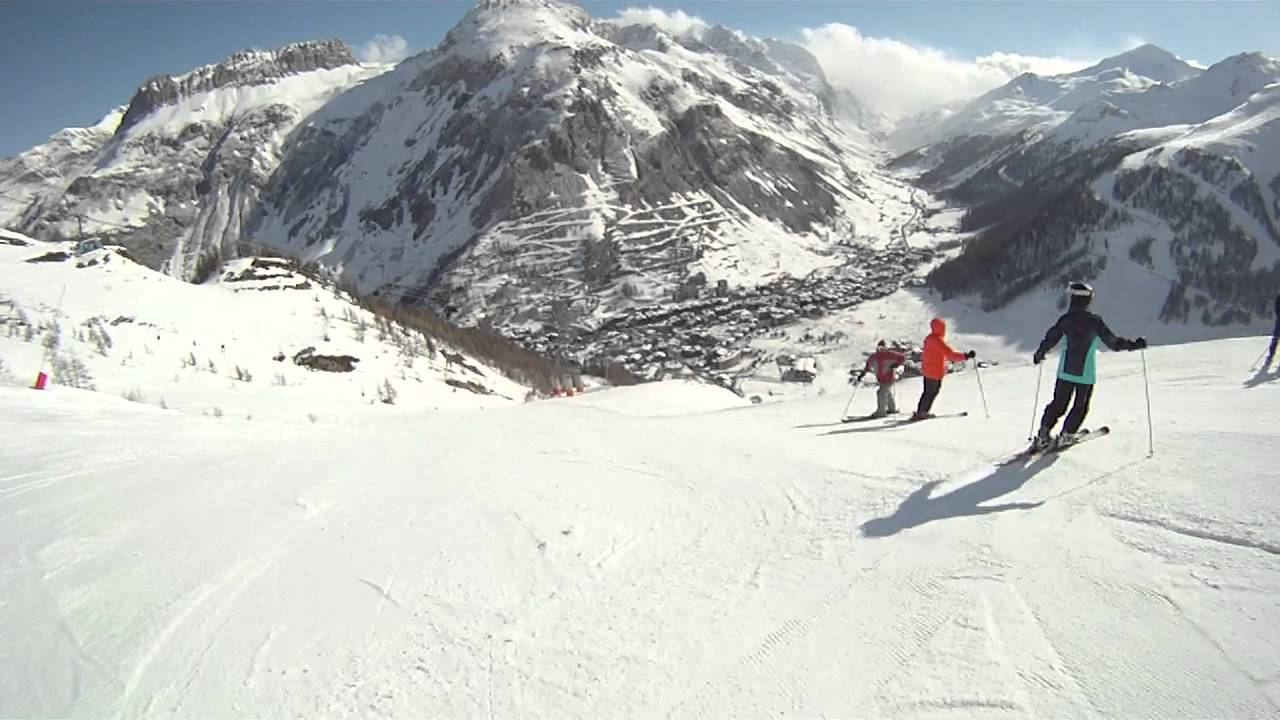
675	23
383	49
899	79
1012	65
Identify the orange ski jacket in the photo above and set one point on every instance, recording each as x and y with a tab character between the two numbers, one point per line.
936	353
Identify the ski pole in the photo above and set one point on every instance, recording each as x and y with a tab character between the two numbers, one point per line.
1146	384
978	374
1036	404
850	403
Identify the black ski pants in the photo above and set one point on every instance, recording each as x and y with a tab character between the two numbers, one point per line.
1062	394
1275	338
931	388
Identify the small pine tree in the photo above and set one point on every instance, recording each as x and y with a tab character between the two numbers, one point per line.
386	393
52	340
72	372
101	341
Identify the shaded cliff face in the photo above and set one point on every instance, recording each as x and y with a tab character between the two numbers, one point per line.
176	174
539	153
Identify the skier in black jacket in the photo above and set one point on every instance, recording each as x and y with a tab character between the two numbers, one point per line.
1275	337
1076	371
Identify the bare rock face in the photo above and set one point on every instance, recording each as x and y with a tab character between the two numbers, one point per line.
310	359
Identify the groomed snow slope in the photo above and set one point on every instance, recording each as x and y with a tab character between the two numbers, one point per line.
563	559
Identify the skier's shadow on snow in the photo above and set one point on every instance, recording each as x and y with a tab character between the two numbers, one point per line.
1262	377
919	508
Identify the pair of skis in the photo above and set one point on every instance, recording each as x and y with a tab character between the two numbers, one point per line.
1083	436
907	420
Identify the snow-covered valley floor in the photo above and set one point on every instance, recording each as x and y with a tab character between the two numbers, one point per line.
587	558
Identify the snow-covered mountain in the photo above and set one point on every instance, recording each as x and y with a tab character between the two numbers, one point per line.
176	173
1032	102
46	170
1175	178
538	154
538	164
542	168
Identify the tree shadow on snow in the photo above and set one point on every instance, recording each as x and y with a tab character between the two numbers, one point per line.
919	508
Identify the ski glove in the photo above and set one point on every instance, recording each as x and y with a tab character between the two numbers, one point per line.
971	354
1038	357
1138	344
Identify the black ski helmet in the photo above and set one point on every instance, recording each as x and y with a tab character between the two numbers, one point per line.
1081	294
1079	289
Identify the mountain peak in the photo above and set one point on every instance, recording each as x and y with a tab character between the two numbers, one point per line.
244	68
1147	60
494	27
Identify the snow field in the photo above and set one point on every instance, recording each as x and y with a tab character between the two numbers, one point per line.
233	331
559	559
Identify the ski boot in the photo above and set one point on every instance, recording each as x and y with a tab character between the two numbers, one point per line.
1066	440
1042	441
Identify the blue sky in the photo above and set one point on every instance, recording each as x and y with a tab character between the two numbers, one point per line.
68	62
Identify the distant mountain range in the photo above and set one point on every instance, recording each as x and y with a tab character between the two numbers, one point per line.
542	167
1141	163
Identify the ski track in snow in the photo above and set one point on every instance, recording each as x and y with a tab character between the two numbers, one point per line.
580	558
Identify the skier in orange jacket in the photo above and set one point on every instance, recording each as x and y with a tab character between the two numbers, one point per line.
933	365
